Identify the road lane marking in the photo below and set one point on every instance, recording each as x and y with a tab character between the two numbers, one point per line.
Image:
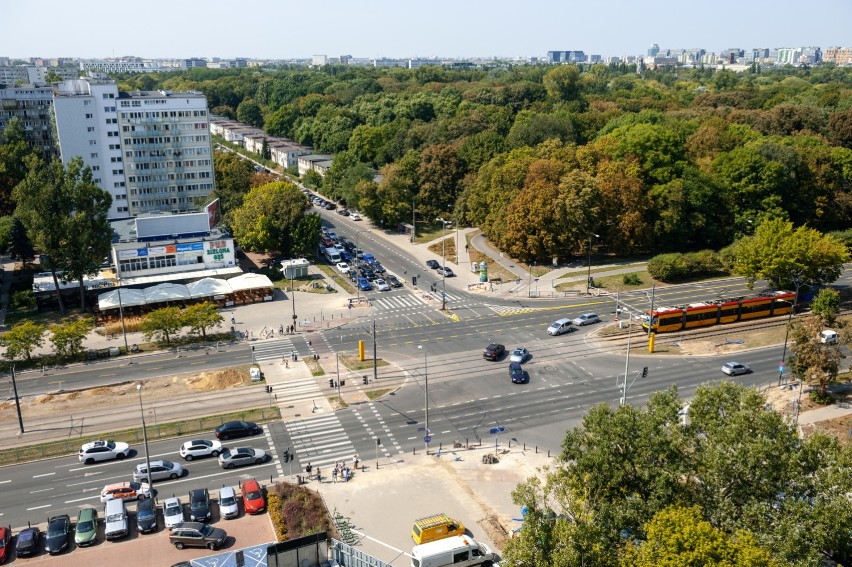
45	474
42	490
39	507
5	481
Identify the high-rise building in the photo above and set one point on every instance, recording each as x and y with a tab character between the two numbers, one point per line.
151	150
653	50
838	55
30	103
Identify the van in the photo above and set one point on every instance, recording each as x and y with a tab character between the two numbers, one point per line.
458	551
115	519
438	526
559	327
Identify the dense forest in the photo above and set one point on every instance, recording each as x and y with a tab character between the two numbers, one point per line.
540	157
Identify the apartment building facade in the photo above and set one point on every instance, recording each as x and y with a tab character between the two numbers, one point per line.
32	105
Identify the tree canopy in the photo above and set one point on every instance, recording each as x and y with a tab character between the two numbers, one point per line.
270	219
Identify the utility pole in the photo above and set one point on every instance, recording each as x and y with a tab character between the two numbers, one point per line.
375	360
626	361
798	283
17	401
337	359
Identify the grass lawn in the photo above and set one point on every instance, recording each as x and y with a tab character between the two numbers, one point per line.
314	365
337	277
351	362
614	283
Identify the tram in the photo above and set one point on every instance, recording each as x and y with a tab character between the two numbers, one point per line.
719	312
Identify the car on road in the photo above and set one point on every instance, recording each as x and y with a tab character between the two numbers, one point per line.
517	373
86	530
586	319
160	470
330	206
393	281
253	500
519	355
381	285
736	368
369	274
354	216
5	543
559	327
126	491
28	542
342	267
199	505
200	448
241	456
97	451
146	516
234	429
828	337
172	512
58	534
228	507
494	351
433	264
343	212
445	271
196	534
364	285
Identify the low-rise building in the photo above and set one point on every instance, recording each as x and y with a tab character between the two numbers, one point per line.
314	162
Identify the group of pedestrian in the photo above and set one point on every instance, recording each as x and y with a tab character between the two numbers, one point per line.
342	470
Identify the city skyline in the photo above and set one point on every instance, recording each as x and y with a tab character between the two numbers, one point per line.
498	28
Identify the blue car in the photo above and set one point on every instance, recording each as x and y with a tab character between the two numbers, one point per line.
364	285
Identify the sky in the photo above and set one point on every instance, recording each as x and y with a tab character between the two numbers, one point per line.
283	29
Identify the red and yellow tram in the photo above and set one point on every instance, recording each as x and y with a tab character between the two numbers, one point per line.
720	311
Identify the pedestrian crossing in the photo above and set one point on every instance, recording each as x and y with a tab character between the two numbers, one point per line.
298	390
321	441
272	349
402	301
504	310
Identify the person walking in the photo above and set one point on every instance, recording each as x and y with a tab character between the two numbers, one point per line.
319	478
334	476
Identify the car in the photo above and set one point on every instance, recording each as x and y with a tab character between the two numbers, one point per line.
381	285
97	451
561	326
253	500
828	337
172	512
369	275
342	267
196	534
517	373
126	491
359	254
354	216
234	429
494	351
343	212
201	447
324	230
519	355
378	268
736	368
445	271
393	281
586	319
332	235
58	534
228	507
199	505
86	530
146	516
160	470
364	285
28	542
433	264
330	206
5	543
241	456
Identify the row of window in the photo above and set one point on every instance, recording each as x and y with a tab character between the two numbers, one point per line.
155	262
172	189
163	114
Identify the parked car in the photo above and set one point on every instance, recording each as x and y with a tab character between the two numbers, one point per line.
343	212
241	456
494	351
393	281
126	491
369	275
342	267
28	542
172	512
58	534
86	530
253	500
828	337
736	368
519	355
160	470
381	285
364	285
146	516
586	319
517	373
199	505
196	534
5	543
234	429
200	448
445	271
330	206
228	507
433	264
97	451
354	216
378	268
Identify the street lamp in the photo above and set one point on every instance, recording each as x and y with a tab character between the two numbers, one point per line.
425	389
797	281
589	277
293	292
145	436
444	267
529	280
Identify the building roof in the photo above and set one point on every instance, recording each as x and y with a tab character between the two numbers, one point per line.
208	287
166	292
129	298
249	281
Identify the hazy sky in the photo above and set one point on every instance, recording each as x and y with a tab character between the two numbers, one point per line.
402	28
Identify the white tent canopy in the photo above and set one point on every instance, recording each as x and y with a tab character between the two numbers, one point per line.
250	281
165	292
129	297
208	287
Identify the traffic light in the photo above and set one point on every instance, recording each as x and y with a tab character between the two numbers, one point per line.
645	372
378	442
413	280
331	382
269	389
342	383
366	380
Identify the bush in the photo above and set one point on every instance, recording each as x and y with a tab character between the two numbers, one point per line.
844	236
679	267
631	279
296	511
22	301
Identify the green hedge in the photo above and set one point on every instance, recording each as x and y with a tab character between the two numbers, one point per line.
675	267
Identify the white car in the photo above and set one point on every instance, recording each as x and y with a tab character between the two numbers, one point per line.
354	216
343	267
103	451
736	368
201	448
381	285
828	337
228	507
172	512
241	456
587	319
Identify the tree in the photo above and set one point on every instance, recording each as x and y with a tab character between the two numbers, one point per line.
783	255
826	305
562	82
13	169
202	316
162	324
22	339
810	359
21	247
269	216
6	224
306	235
249	112
68	338
233	180
440	172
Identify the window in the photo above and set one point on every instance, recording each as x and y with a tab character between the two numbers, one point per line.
94	155
88	115
90	129
87	103
96	168
461	556
93	142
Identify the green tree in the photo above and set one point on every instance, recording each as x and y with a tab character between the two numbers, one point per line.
826	306
162	325
233	180
68	338
441	173
22	339
811	360
13	168
200	317
269	216
306	235
249	112
21	247
562	82
6	224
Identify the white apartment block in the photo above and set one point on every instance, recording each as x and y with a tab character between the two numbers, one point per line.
286	153
133	65
33	74
32	104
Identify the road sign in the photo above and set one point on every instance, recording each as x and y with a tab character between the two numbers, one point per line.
427	439
495	430
536	280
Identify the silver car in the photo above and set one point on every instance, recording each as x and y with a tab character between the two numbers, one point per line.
587	319
241	456
172	512
160	470
228	507
735	368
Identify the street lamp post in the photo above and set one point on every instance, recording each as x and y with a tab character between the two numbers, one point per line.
444	267
145	437
293	293
797	281
425	390
589	276
529	280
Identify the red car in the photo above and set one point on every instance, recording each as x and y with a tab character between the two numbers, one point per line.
5	543
253	500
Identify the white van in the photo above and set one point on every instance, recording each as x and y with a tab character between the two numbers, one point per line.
559	327
115	519
458	551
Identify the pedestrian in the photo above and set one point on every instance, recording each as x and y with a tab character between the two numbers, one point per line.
334	476
280	329
319	478
233	321
346	474
308	470
355	461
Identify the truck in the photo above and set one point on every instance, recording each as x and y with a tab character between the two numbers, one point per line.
332	255
458	551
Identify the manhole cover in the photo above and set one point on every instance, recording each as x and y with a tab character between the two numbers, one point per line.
551	369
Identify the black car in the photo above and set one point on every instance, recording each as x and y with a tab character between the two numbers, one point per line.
433	264
393	282
494	351
58	533
517	373
330	206
199	505
146	516
234	429
378	268
29	540
369	274
343	212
